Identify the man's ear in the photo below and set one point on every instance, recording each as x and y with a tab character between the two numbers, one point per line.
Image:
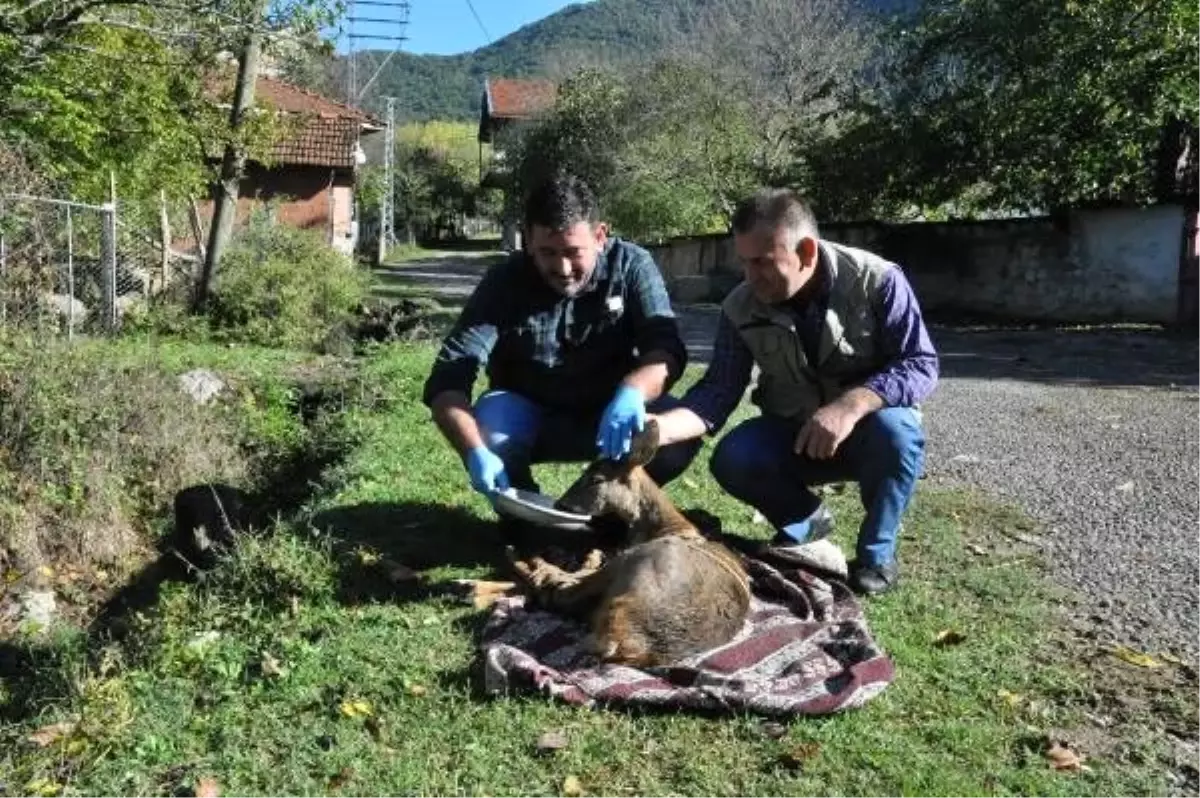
601	233
807	251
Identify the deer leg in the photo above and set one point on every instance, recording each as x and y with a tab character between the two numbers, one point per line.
558	589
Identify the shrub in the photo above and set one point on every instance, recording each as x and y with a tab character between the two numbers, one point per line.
281	286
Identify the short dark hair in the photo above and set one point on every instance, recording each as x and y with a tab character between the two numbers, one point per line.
776	207
561	202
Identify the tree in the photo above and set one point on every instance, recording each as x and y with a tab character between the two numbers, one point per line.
1007	105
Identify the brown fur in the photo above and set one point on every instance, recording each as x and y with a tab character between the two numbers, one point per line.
669	594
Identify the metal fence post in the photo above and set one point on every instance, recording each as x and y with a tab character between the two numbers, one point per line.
108	267
70	277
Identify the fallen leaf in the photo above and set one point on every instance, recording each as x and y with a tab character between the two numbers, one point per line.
551	741
355	709
271	667
417	690
208	787
48	735
796	758
1063	758
948	637
571	786
978	551
1010	698
1135	657
341	778
43	787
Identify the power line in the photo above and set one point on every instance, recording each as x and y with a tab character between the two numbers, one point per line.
475	14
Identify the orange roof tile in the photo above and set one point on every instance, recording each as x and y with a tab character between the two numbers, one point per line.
517	99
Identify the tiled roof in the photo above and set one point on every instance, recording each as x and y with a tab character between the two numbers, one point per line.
517	99
325	131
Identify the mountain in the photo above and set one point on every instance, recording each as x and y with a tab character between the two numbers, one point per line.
603	31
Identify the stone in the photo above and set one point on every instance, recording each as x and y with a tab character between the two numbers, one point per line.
202	385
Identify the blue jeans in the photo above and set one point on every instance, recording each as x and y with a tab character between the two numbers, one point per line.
883	454
522	433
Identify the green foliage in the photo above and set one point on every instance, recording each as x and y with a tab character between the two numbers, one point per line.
437	180
667	151
280	286
992	106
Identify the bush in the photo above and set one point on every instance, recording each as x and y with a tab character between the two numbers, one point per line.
280	286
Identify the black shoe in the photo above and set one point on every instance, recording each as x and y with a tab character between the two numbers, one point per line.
874	580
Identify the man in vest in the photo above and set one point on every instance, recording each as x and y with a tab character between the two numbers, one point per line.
844	359
579	341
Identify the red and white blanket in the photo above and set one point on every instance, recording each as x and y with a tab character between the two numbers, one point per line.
805	650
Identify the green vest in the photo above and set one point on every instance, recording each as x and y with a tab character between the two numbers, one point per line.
788	385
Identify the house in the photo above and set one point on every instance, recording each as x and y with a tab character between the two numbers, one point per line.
506	102
313	166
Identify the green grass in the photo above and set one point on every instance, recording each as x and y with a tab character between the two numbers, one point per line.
192	692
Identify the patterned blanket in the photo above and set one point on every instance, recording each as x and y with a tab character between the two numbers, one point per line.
805	650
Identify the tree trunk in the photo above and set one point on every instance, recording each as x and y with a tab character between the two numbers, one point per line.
234	161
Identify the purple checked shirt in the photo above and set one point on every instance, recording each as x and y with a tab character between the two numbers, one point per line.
908	376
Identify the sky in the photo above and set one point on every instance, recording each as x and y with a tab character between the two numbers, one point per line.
447	27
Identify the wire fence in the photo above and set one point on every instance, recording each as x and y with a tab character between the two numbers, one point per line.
74	268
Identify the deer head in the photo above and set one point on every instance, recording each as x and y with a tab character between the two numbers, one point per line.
624	489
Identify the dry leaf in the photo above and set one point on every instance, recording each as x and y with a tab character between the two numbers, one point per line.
1010	698
208	787
796	758
571	786
1063	758
43	787
417	690
1135	657
978	551
339	781
271	667
551	741
48	735
355	709
948	637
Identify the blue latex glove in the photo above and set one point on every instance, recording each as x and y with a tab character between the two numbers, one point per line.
486	470
624	417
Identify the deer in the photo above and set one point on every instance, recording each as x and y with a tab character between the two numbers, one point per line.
667	594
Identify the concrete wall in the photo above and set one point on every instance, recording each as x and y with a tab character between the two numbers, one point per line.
1089	266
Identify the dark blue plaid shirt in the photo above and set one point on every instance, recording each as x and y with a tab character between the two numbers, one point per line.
561	352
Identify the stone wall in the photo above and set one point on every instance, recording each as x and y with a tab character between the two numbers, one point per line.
1087	266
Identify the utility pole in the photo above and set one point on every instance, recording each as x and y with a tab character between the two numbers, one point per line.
233	163
387	231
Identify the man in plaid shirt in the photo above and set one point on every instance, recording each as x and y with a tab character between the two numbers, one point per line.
578	339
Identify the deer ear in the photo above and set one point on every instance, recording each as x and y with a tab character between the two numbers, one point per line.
644	445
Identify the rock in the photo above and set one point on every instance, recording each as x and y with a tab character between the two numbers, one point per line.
38	607
202	385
